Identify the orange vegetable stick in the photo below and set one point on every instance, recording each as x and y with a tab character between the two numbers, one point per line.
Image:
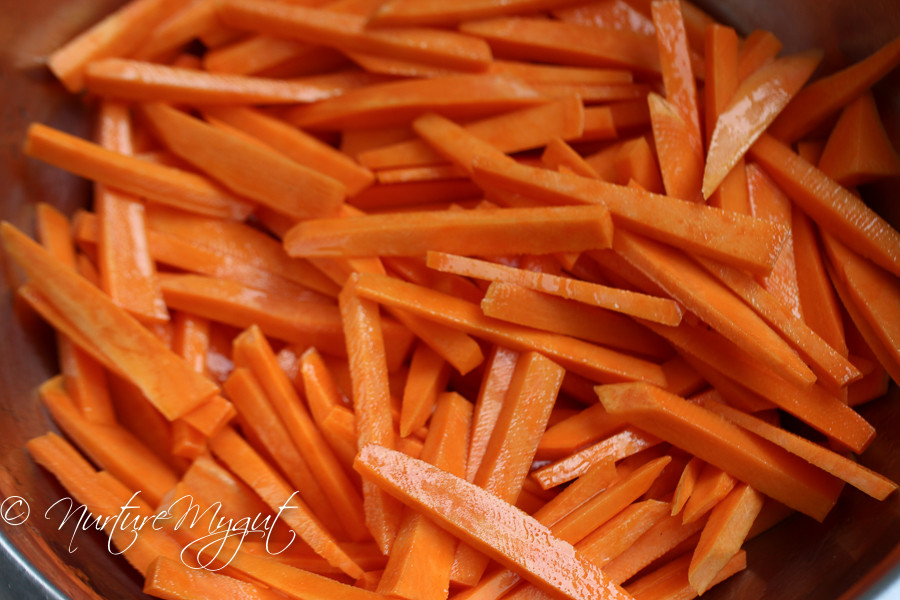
211	416
582	428
165	379
827	95
818	303
635	161
516	540
484	232
422	554
753	460
834	208
580	357
600	123
680	154
191	20
511	448
675	64
116	35
831	368
404	12
656	216
610	14
543	73
173	580
274	181
491	396
756	103
296	145
712	485
767	201
531	308
128	274
594	93
563	118
371	402
874	294
86	487
150	82
110	446
262	426
254	54
85	379
672	581
714	303
617	446
595	514
348	32
199	259
157	183
252	350
686	484
241	243
395	103
190	339
240	458
812	404
723	535
428	373
758	49
453	142
848	470
858	149
546	40
558	153
660	310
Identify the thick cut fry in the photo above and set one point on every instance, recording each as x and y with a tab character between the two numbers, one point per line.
756	103
158	183
700	229
247	169
484	232
825	96
162	376
585	359
652	308
516	540
395	103
753	460
348	32
833	207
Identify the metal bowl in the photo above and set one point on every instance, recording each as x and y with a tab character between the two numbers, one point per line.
853	554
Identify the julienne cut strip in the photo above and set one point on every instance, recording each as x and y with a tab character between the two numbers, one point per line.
428	297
